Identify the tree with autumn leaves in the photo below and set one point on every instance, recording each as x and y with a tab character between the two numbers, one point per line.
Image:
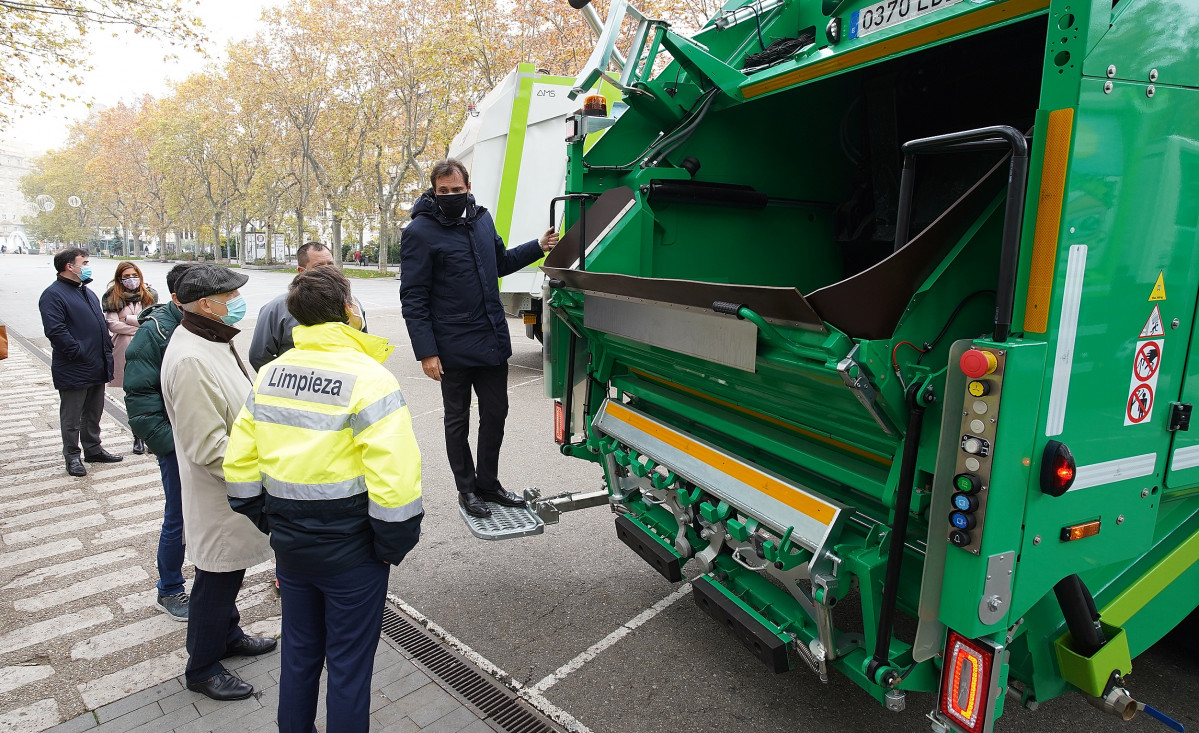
331	113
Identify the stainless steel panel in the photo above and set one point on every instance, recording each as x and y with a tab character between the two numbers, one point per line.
683	329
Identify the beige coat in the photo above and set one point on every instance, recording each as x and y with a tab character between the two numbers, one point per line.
122	325
204	387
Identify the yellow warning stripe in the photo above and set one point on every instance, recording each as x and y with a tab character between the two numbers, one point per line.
1046	234
959	24
861	453
752	477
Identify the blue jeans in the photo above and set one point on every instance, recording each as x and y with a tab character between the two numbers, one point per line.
170	541
334	621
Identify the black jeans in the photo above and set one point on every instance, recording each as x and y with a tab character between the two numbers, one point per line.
79	413
490	384
212	622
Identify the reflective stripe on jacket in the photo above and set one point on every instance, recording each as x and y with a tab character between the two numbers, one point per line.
322	455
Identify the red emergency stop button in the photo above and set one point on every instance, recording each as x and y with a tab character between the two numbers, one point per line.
977	363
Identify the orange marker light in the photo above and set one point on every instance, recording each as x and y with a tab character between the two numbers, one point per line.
595	106
559	423
1079	531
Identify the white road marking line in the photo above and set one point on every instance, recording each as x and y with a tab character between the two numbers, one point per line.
33	450
261	567
137	601
113	687
18	488
136	511
40	575
82	589
110	642
271	626
53	628
13	677
29	554
595	649
53	512
108	471
124	533
536	699
9	507
49	530
129	483
137	496
39	716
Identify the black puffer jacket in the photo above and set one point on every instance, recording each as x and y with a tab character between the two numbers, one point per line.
143	384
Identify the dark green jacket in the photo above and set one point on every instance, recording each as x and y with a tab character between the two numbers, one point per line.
143	384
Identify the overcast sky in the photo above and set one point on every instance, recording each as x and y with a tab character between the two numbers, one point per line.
129	66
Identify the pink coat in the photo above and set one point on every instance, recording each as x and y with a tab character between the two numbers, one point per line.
122	325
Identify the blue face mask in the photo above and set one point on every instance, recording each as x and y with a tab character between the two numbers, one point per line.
85	272
236	311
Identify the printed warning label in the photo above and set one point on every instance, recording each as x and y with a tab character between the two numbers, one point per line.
1153	326
1146	366
1159	290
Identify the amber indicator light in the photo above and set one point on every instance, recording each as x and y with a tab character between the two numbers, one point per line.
1079	531
559	423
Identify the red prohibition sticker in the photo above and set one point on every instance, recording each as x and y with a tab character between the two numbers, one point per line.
1149	357
1140	404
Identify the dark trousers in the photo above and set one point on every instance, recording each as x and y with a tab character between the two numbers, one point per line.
332	621
212	622
491	387
79	413
170	540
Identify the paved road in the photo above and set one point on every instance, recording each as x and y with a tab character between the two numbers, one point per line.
573	615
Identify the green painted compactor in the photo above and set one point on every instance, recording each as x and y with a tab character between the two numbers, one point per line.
863	308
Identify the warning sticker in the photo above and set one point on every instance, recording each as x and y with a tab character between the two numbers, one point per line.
1153	326
1149	356
1159	290
1146	365
1140	405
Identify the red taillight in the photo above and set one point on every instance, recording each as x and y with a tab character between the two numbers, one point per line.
559	423
966	682
1058	468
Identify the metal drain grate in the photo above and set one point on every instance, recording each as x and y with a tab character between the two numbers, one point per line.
505	522
491	698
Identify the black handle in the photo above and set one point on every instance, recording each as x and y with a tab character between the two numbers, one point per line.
729	309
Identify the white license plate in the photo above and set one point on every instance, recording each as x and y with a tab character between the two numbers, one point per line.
889	13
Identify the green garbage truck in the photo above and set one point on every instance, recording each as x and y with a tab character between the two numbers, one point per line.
863	310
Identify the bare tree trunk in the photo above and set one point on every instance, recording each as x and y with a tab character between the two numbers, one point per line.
384	230
216	235
337	239
299	228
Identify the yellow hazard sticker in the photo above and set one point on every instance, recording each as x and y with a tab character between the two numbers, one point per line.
1159	290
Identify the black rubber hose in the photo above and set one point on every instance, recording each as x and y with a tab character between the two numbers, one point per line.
899	531
1082	618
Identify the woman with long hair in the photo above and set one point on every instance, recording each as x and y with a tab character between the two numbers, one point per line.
125	298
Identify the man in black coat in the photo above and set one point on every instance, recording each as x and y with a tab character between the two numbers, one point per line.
451	260
82	364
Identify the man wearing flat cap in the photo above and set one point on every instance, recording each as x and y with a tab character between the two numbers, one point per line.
204	385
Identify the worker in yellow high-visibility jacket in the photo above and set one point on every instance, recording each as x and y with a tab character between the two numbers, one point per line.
322	457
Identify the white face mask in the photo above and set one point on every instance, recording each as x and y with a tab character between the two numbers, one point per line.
132	283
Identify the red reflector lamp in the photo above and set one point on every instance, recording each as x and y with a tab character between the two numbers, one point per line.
559	423
976	363
1079	531
1058	468
966	682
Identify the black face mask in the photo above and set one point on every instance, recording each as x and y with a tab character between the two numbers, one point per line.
452	204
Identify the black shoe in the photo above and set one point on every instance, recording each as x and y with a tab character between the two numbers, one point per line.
224	686
139	446
103	457
473	505
75	466
250	646
501	497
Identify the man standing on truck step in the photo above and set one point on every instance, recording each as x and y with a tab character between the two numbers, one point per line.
451	260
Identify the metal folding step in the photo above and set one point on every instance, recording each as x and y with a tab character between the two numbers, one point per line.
504	523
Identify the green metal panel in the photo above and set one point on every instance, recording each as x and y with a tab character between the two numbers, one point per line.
1146	36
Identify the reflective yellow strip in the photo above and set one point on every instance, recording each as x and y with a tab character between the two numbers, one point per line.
1049	219
1147	587
965	23
882	460
777	490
